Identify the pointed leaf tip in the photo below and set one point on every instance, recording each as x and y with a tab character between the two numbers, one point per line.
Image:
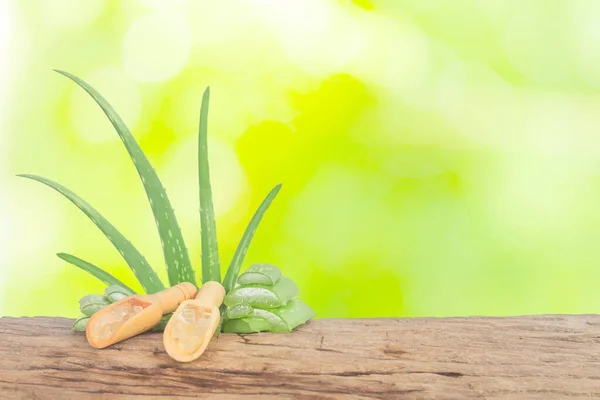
142	270
175	252
211	270
240	253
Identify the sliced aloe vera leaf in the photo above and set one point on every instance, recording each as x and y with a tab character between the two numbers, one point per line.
138	264
263	296
162	324
246	325
90	304
94	270
260	274
240	253
238	311
80	323
115	293
211	268
177	259
276	324
294	313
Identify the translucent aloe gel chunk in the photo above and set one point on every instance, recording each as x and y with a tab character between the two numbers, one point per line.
263	296
260	274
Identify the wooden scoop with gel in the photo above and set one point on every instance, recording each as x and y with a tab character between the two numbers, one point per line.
135	314
191	327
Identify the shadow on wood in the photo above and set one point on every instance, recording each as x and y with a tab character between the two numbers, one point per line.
541	357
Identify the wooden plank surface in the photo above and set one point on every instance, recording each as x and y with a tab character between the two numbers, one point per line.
541	357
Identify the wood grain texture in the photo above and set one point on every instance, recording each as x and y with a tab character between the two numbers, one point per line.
541	357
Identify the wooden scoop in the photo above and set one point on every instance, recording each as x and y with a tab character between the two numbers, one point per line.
191	327
135	314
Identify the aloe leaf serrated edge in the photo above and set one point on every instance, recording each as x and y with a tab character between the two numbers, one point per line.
211	268
138	264
97	272
240	253
179	268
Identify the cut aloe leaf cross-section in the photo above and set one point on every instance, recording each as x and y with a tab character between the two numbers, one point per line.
115	293
238	311
246	325
260	274
281	319
294	313
80	323
90	304
179	268
263	296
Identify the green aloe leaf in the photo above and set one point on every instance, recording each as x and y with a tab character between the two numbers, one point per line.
260	274
246	325
211	269
238	311
240	253
263	296
276	324
94	270
179	268
90	304
80	323
115	293
280	319
140	267
294	313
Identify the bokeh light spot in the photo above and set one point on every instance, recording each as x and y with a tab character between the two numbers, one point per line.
156	47
69	14
364	4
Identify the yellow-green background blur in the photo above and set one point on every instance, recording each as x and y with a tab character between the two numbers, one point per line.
437	157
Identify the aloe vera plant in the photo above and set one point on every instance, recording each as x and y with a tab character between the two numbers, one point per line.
260	299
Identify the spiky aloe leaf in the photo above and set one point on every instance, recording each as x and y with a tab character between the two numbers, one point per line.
211	269
94	270
177	259
138	264
240	253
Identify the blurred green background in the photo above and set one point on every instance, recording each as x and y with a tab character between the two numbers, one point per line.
438	158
